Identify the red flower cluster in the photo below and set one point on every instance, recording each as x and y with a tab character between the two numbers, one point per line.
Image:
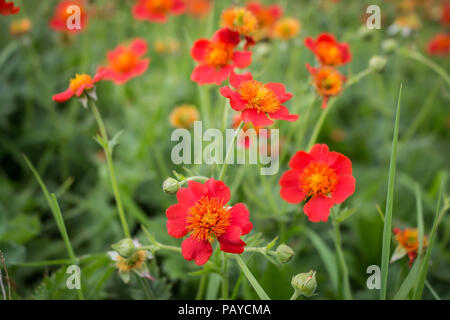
60	18
202	212
7	8
321	178
330	53
218	57
157	10
439	45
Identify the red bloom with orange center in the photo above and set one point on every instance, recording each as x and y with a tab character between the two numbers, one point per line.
266	16
408	243
257	101
327	81
7	8
78	85
61	16
439	45
218	58
124	62
240	20
202	212
157	10
328	51
321	178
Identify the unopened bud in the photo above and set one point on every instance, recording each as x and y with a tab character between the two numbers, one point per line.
124	247
171	186
389	45
305	283
377	63
284	253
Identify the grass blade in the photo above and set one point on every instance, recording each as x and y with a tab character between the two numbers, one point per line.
387	230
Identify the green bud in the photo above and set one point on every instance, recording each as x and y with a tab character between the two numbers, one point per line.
305	283
389	45
171	186
365	33
124	247
284	253
377	63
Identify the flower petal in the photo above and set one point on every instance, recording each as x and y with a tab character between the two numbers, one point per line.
196	250
203	74
280	91
242	59
318	208
236	79
176	223
139	46
283	114
200	49
290	189
218	189
240	217
259	119
235	98
300	160
190	195
231	241
63	96
344	188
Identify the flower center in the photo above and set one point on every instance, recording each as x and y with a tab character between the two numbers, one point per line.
134	262
259	96
126	61
219	54
240	20
78	81
328	82
159	6
318	179
208	218
329	53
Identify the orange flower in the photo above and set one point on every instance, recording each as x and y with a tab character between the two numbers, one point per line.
61	17
328	82
125	63
184	116
20	27
157	10
287	28
240	20
439	44
80	84
266	16
198	8
7	8
408	244
328	51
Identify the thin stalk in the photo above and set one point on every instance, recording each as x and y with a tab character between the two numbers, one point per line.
224	276
230	147
343	265
112	174
201	287
251	278
295	295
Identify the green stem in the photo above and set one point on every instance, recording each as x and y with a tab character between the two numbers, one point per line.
230	147
201	287
225	276
112	174
342	264
251	278
295	295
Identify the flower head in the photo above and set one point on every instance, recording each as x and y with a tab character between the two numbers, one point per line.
287	28
135	262
321	178
258	101
124	62
217	57
408	244
184	116
20	27
63	13
78	85
7	8
198	8
266	17
239	19
327	81
202	212
328	51
157	10
439	44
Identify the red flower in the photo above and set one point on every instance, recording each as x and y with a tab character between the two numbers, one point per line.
257	101
202	211
198	8
78	86
439	45
157	10
125	63
218	58
60	18
320	177
328	82
328	51
267	16
7	8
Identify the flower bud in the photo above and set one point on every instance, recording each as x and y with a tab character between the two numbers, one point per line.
389	45
284	253
305	283
171	186
377	63
124	247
